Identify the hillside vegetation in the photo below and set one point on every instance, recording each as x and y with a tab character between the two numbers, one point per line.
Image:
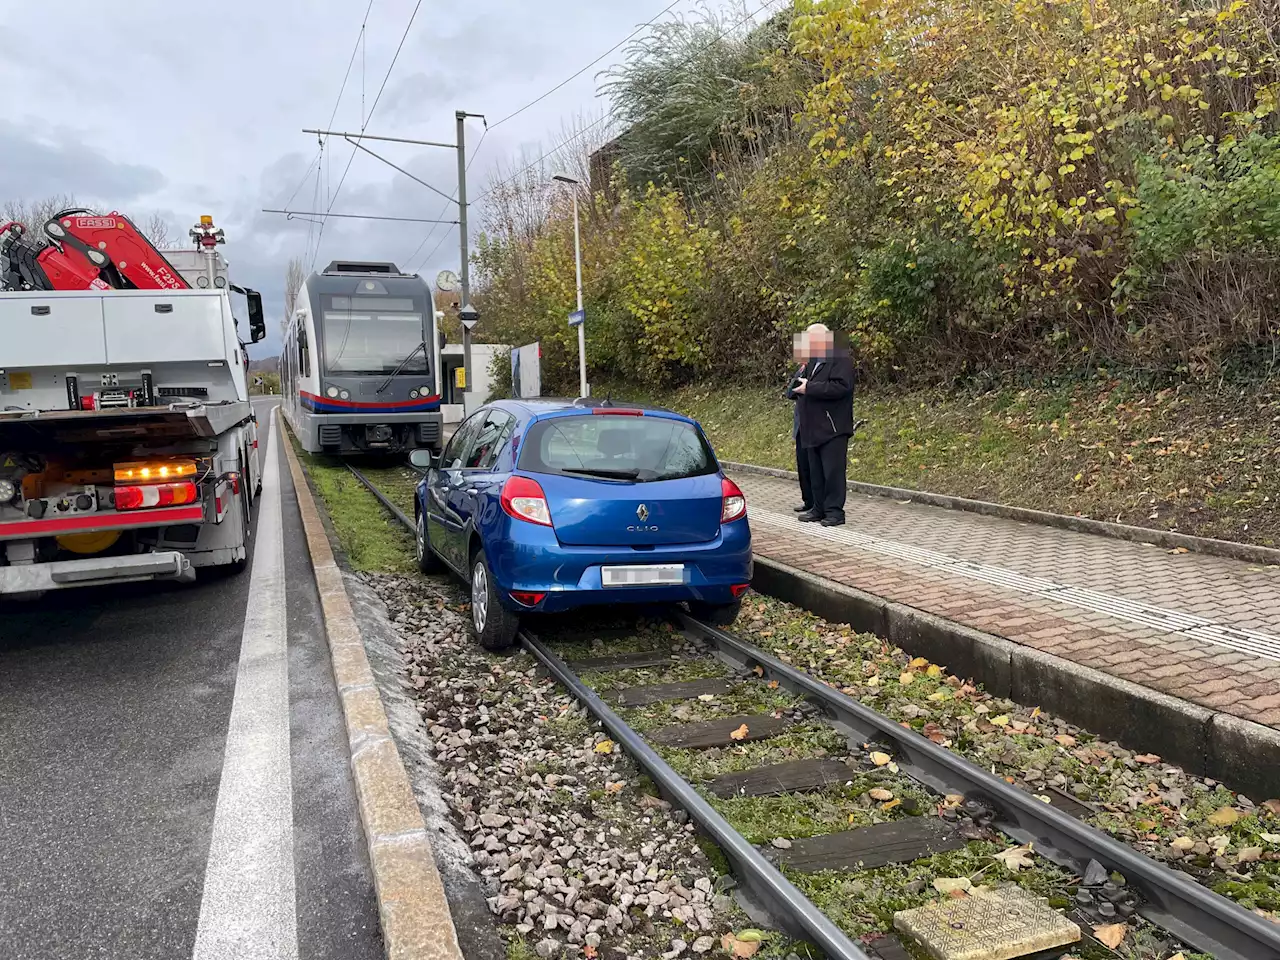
971	189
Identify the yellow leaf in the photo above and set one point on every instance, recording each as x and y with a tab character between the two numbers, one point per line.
934	671
950	884
613	787
772	684
879	793
918	662
1111	934
740	733
940	695
1001	721
895	802
1182	844
880	759
1035	714
604	746
907	678
1224	817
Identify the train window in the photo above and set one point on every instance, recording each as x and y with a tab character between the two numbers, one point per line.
304	354
494	433
385	304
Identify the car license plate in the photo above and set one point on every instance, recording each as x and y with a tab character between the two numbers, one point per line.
642	576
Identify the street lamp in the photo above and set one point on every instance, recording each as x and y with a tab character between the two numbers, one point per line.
577	255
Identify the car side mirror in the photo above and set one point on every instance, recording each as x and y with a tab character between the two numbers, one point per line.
423	459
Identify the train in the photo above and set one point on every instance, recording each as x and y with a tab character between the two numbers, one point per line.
358	371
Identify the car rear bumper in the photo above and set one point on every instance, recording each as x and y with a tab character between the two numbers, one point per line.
528	558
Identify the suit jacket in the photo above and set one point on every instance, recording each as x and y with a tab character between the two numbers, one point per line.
826	407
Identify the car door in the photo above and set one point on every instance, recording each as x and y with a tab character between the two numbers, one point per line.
443	525
467	498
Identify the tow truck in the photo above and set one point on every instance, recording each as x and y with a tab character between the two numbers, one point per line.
128	445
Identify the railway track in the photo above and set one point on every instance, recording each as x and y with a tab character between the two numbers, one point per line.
925	801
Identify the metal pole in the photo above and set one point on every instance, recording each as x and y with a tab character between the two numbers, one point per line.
465	273
582	327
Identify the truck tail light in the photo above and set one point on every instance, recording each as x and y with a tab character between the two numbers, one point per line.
158	471
155	495
523	499
733	503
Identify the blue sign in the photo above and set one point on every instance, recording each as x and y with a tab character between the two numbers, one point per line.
577	317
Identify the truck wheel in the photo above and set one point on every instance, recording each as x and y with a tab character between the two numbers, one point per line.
493	624
246	521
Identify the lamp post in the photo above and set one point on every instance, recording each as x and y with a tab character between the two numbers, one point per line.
577	255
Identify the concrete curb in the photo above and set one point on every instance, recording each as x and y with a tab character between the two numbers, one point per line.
1243	755
412	907
1247	552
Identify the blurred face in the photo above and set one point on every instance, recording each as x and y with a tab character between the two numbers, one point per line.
821	344
798	348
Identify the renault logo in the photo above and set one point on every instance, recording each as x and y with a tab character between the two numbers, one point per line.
642	513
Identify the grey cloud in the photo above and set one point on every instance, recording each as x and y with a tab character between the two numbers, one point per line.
33	165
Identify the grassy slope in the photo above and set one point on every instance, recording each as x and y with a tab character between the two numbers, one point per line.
1194	459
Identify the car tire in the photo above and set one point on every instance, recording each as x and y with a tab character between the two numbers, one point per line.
493	624
428	562
715	614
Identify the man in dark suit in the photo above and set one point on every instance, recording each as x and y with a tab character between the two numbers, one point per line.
802	456
826	423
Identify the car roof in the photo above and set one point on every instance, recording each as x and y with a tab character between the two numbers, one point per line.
539	407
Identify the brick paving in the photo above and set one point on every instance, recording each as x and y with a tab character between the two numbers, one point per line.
1209	590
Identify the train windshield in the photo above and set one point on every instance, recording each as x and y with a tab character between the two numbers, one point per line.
373	335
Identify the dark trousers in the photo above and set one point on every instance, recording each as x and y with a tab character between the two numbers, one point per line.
806	477
827	466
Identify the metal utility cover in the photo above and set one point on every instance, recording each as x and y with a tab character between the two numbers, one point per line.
987	925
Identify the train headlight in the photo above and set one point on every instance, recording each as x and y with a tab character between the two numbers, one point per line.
7	491
424	392
332	393
413	394
346	394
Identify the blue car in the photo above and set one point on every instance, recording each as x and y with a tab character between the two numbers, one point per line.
545	506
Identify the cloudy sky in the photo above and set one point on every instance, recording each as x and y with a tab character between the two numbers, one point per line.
192	108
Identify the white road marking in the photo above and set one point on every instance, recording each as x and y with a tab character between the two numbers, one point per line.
248	909
1199	628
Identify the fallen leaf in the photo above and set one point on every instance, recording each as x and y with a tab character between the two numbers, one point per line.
1147	758
918	662
1111	934
1179	550
981	708
939	696
933	670
739	948
590	952
880	794
1065	740
1001	721
604	746
1015	858
1219	844
1177	956
1224	817
772	684
1035	714
953	800
1182	844
613	787
1270	837
907	678
880	759
782	843
740	733
706	697
948	884
895	802
1249	855
1271	806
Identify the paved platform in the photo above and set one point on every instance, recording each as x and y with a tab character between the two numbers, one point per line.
1197	627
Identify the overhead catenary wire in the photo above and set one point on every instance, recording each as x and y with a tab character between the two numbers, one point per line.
364	125
448	230
608	115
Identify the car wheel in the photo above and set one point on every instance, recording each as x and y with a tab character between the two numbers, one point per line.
493	624
715	614
428	562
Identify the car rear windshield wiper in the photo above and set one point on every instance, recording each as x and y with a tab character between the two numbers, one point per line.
604	472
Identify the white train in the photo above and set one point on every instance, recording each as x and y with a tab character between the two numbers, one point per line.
358	372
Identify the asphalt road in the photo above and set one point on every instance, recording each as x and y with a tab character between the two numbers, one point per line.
157	798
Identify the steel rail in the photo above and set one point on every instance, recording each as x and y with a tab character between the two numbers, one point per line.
1195	914
763	882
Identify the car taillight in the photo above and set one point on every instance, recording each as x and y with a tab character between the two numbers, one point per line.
734	504
155	495
523	499
616	412
526	598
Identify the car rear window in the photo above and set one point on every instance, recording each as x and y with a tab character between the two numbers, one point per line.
624	448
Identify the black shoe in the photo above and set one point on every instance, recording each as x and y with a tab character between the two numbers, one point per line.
803	508
832	521
809	517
